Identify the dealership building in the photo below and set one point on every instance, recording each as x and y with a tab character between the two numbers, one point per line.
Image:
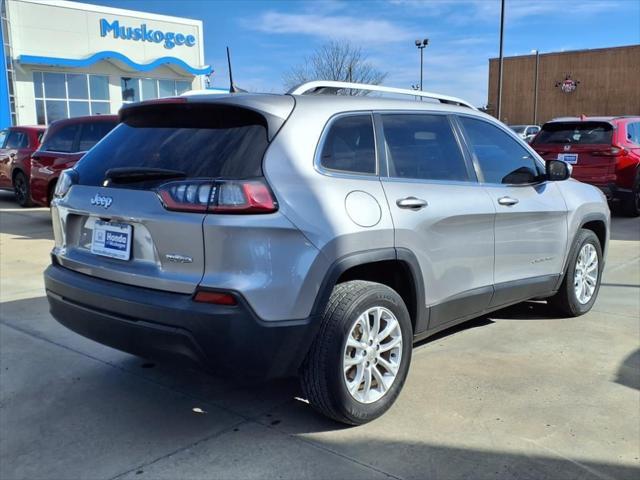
64	59
539	87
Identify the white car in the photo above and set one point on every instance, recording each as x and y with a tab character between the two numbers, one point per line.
526	132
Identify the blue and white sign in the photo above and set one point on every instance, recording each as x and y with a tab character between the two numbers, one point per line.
111	240
145	34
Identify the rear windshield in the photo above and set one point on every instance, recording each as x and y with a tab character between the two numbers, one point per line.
582	133
200	141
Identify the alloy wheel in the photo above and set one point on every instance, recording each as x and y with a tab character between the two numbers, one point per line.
372	354
585	277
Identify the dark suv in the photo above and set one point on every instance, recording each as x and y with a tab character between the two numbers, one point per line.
16	146
604	151
65	142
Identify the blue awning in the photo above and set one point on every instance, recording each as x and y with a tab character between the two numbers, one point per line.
172	62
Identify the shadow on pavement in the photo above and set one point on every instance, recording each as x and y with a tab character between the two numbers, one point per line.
625	228
629	371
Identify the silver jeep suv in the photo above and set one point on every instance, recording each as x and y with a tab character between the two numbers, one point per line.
314	235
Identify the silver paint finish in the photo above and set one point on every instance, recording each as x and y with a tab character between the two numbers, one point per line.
531	229
452	237
278	261
267	259
363	209
156	233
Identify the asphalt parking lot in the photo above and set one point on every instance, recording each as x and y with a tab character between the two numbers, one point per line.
519	394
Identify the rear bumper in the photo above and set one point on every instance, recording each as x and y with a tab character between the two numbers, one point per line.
230	341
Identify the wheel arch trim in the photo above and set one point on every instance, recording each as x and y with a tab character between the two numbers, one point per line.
342	264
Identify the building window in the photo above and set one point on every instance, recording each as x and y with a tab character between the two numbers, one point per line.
136	89
64	95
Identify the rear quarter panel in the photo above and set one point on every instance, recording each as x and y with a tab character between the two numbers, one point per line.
316	203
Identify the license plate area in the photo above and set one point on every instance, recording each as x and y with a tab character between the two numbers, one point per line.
113	240
571	158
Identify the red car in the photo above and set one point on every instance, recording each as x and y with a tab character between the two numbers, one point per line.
16	146
604	151
64	144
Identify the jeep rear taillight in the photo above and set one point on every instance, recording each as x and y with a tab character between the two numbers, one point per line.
218	196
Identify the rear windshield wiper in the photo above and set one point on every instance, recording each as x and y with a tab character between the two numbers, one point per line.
140	174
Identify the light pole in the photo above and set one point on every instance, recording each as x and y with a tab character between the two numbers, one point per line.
421	44
535	88
501	59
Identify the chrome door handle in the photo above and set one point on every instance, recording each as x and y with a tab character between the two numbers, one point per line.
508	201
412	203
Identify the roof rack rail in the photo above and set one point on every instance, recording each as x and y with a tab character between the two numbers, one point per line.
322	86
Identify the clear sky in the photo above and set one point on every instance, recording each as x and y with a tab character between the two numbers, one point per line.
267	38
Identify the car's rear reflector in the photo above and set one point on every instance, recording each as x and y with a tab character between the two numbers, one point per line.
217	298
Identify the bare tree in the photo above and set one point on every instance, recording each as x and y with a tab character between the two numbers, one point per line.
341	61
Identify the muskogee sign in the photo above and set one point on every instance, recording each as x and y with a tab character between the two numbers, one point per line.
144	34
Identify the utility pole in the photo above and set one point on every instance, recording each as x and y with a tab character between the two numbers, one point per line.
501	59
535	89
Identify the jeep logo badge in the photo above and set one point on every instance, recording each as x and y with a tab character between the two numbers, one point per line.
101	201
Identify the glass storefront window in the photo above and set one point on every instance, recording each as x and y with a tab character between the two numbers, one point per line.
41	119
64	95
136	89
54	85
78	109
149	88
100	108
77	86
166	88
56	109
130	89
182	87
99	87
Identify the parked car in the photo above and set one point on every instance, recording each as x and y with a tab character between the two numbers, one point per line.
314	235
65	142
525	132
604	151
16	146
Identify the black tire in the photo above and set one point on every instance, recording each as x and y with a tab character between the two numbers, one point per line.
21	189
565	301
630	202
50	192
322	377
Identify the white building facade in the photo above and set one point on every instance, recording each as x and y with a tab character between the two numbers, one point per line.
64	59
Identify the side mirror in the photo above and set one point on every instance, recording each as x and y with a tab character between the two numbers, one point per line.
557	170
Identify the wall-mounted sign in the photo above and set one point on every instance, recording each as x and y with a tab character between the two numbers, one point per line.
568	85
144	34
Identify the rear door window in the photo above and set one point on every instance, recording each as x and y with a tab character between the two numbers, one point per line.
202	141
500	157
17	139
578	133
92	133
349	145
63	140
423	147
